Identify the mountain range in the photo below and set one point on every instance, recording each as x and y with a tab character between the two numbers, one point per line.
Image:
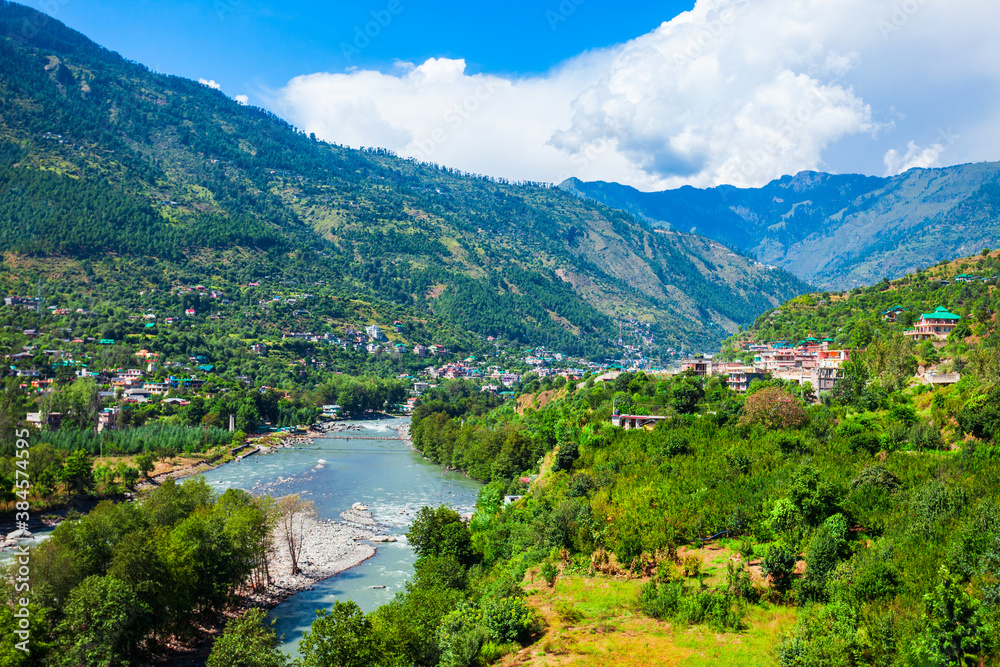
151	180
833	231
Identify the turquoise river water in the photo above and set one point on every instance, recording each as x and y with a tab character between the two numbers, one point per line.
335	472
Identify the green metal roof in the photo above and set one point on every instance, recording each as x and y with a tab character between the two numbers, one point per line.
941	313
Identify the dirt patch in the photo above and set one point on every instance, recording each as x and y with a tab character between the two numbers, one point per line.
538	400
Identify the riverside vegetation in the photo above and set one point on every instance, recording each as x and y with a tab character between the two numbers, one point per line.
872	517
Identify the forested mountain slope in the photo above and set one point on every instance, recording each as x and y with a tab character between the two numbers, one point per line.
835	231
101	158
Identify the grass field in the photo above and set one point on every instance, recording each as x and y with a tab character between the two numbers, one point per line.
595	621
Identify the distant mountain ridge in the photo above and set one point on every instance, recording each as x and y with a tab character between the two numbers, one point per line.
104	162
834	231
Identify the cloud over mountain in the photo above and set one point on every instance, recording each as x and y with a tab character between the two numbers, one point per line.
732	91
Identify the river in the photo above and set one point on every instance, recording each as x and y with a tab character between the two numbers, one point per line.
335	472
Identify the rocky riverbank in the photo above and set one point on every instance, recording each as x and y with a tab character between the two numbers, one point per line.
328	548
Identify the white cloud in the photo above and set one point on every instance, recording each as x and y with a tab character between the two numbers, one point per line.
242	99
732	91
210	83
915	157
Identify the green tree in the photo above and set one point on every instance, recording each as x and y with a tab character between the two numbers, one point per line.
955	630
340	637
441	532
78	472
247	642
144	463
105	624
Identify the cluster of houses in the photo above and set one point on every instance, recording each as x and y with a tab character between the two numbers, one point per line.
373	340
815	361
811	360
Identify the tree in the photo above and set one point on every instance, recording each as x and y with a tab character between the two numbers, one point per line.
340	637
293	513
144	462
778	564
78	472
247	642
441	532
772	408
105	624
955	630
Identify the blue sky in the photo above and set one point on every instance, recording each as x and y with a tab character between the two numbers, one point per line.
653	94
248	44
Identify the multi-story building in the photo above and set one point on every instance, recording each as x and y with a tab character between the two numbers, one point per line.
934	326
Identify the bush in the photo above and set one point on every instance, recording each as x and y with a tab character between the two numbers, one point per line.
509	620
778	564
673	601
925	436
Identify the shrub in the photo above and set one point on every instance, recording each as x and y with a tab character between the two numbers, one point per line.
925	436
779	564
876	476
510	619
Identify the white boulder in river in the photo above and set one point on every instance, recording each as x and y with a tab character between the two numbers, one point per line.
22	534
359	507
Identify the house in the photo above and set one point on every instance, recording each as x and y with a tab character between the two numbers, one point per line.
190	312
373	332
373	348
107	419
966	278
934	326
698	365
739	381
22	302
420	350
50	421
894	312
258	348
136	395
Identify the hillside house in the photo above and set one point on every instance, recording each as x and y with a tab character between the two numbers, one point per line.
934	326
894	312
739	381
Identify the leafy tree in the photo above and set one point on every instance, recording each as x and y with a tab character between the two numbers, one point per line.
104	624
340	637
247	642
772	408
779	564
144	463
955	631
441	532
78	472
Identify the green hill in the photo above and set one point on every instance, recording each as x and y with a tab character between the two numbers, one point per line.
152	180
851	318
